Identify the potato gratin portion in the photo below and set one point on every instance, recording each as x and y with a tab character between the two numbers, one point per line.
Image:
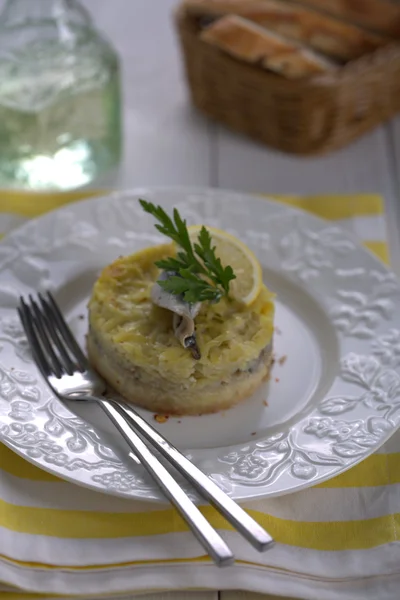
132	344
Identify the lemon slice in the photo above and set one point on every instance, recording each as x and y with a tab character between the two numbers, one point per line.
248	283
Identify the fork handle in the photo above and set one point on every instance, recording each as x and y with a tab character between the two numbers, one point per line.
233	513
204	532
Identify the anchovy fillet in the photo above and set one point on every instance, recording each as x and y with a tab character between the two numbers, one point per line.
184	314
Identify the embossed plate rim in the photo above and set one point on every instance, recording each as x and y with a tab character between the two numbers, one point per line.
243	470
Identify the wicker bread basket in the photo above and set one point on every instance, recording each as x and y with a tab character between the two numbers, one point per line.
310	116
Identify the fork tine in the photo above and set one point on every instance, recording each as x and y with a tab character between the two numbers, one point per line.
65	331
57	338
44	338
27	320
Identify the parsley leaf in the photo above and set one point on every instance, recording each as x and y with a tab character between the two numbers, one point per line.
198	273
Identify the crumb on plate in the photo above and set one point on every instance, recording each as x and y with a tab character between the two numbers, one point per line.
161	418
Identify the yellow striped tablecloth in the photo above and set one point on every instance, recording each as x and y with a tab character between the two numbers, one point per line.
339	540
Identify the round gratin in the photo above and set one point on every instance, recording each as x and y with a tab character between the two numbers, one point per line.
132	345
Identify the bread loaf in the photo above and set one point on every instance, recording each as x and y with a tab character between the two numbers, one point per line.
320	32
382	16
249	42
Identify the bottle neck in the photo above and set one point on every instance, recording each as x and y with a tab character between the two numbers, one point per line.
22	12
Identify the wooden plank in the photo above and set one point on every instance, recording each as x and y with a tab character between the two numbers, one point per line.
179	596
393	133
365	166
249	596
372	164
361	167
166	142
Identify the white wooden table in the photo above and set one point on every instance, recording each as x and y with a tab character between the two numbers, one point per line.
166	142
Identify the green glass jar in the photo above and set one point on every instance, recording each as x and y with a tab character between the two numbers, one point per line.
60	105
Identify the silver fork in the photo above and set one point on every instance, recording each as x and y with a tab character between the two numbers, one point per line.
68	373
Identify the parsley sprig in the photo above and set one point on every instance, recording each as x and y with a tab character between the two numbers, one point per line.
200	275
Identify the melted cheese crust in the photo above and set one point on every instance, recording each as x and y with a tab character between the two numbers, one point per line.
124	319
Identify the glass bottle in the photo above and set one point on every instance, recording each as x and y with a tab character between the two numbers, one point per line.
60	113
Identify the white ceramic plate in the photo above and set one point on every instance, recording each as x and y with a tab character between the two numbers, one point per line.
333	402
